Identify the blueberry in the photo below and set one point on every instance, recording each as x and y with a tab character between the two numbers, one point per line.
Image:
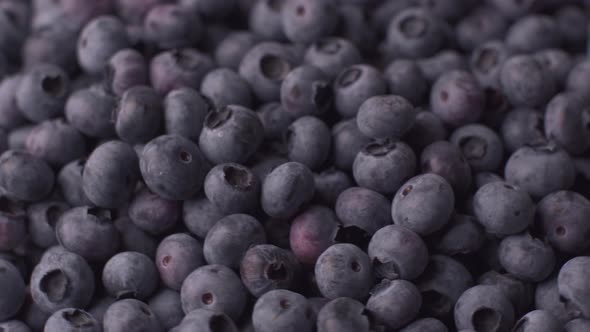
24	177
312	232
386	116
538	320
561	216
33	316
233	188
394	303
384	166
17	138
98	308
125	69
89	111
286	189
42	92
329	184
347	141
130	274
134	239
306	90
540	169
354	85
483	308
138	115
308	141
344	270
526	82
167	307
176	257
88	232
133	11
172	26
307	21
575	80
216	288
483	24
526	257
363	208
331	55
102	37
415	33
231	49
558	62
129	314
266	164
13	294
462	235
231	134
199	215
533	33
522	127
275	120
441	284
265	19
568	18
223	87
547	298
56	141
61	280
43	217
480	145
343	314
405	79
13	227
110	174
15	326
577	325
52	43
206	321
520	293
486	62
425	325
573	286
566	118
427	129
457	98
445	159
446	60
70	320
265	66
282	310
229	239
10	114
69	180
185	67
184	113
152	213
173	167
397	253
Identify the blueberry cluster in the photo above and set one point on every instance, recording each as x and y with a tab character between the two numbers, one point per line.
294	166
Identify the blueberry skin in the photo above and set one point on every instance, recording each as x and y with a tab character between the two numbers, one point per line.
152	213
354	85
223	86
515	10
171	26
199	215
363	208
415	33
445	159
267	267
425	325
184	113
110	174
441	284
185	67
133	11
384	166
69	180
206	321
457	98
53	43
25	177
233	188
427	129
567	18
43	217
13	224
480	145
573	286
519	292
522	127
134	239
266	164
265	66
308	141
286	189
423	204
33	316
394	303
307	21
173	167
125	69
216	288
329	184
344	270
354	25
98	308
343	314
331	55
61	280
558	62
540	169
15	326
386	116
56	142
42	92
167	307
138	115
483	24
129	314
230	50
405	79
102	37
71	320
538	320
306	90
442	62
577	325
229	239
274	119
130	274
90	110
575	80
10	114
312	232
483	307
526	258
282	310
526	82
533	33
565	118
397	253
486	62
176	257
231	134
265	20
547	298
13	295
88	232
462	235
347	141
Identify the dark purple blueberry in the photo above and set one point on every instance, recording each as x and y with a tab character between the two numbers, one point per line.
134	239
130	274
125	69
56	142
442	62
538	320
42	92
152	213
462	235
25	177
264	19
169	26
354	26
176	257
52	43
526	257
128	314
138	115
307	21
484	308
167	307
347	141
519	292
415	33
13	224
426	325
394	303
364	209
233	188
405	79
82	13
312	232
223	86
72	320
547	297
12	295
184	113
102	37
199	215
576	80
428	128
133	11
486	62
568	18
70	182
210	8
308	141
306	90
533	33
331	55
43	217
522	127
287	189
231	49
15	326
207	321
558	62
344	315
354	85
567	122
329	184
577	325
282	310
480	145
386	116
526	82
483	24
457	98
10	114
574	286
90	110
447	160
185	67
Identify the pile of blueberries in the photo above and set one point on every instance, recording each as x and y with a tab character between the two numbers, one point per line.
294	165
